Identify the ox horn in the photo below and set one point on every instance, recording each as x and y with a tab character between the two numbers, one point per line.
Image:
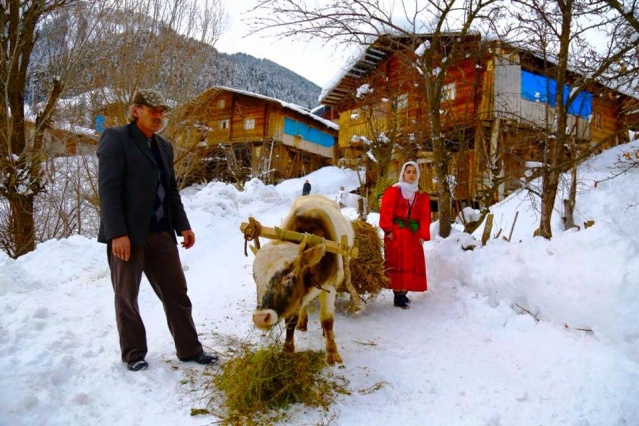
252	233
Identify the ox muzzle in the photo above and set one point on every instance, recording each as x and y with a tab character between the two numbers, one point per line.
264	319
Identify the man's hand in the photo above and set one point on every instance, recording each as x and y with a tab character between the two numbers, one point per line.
189	239
121	247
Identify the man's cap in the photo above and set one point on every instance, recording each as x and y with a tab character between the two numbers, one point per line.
150	98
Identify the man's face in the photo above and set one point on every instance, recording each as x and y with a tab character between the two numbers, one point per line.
149	120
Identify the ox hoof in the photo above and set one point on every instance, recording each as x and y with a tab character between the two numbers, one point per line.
302	324
358	308
333	358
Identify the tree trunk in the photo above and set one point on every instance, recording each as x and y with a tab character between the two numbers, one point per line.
549	193
443	190
569	204
21	224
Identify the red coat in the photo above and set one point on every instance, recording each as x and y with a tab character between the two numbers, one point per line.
404	255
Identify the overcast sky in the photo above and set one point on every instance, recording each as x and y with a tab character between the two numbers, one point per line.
312	61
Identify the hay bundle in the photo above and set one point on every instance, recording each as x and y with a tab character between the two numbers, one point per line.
260	385
367	270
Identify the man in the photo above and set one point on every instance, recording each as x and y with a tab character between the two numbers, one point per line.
140	213
306	188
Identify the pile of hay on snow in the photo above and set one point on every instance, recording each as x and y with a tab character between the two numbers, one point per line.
367	270
260	385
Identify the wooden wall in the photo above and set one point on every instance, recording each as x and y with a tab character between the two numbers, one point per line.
225	117
607	129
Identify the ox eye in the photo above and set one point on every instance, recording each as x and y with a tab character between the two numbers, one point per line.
289	277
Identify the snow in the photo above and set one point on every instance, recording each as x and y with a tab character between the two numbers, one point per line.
526	332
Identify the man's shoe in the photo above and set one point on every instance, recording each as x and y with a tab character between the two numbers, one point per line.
201	358
137	365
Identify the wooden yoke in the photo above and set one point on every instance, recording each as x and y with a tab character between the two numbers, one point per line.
276	233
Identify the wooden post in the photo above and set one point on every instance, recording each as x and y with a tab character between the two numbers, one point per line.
487	229
512	228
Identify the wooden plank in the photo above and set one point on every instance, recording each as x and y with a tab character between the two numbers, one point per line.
487	229
276	233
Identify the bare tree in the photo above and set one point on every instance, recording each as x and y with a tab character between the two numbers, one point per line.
21	137
56	48
362	22
560	32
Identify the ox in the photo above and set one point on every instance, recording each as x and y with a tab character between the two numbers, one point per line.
289	276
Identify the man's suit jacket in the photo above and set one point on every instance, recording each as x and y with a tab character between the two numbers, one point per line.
127	182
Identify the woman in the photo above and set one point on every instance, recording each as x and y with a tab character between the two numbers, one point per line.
405	220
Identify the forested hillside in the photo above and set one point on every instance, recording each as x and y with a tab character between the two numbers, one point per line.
184	65
245	72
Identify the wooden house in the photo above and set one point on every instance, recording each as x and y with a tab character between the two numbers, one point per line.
253	135
70	130
62	139
496	103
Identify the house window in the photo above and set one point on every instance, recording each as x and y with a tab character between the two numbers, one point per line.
249	123
224	124
448	92
597	120
221	104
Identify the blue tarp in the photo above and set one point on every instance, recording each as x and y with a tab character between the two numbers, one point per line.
294	128
537	88
100	121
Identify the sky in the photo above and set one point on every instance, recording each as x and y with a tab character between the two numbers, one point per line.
311	60
526	332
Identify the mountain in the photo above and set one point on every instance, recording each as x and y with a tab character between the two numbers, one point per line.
134	52
265	77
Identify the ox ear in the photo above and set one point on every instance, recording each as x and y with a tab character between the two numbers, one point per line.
313	255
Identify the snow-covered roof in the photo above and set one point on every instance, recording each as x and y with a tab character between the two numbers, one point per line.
287	105
30	117
364	58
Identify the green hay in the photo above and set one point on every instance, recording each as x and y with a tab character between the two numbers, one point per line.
260	385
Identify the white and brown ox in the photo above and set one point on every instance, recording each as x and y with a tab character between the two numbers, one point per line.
290	275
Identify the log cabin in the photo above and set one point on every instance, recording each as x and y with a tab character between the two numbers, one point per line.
250	135
497	106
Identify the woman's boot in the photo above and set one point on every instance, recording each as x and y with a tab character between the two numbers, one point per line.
400	300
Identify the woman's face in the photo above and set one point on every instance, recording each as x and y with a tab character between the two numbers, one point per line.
410	174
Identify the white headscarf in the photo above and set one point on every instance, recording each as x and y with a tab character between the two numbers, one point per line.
408	189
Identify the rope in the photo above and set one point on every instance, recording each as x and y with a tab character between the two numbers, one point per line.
252	232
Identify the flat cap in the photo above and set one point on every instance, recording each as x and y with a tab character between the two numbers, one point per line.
150	98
